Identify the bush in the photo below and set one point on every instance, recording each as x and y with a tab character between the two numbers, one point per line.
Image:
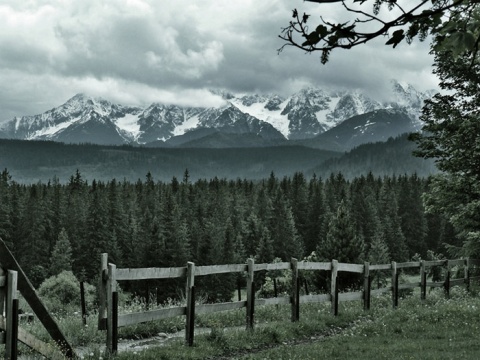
61	292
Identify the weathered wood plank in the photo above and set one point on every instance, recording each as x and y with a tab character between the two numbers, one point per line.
381	267
27	290
274	266
456	262
3	280
212	308
435	263
474	278
283	300
47	350
219	269
190	308
150	273
319	298
305	265
11	314
411	264
250	307
454	282
435	284
102	292
354	268
350	296
152	315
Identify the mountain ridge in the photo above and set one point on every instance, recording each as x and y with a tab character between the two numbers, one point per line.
303	116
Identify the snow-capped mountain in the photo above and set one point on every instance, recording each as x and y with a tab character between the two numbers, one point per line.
303	115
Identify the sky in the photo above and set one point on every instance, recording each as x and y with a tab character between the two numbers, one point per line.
135	52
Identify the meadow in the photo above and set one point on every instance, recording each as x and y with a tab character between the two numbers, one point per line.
430	329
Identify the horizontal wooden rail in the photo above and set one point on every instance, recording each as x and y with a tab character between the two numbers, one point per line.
305	265
274	266
354	268
435	263
350	296
381	267
412	264
318	298
454	282
152	315
435	284
219	269
457	262
212	308
150	273
282	300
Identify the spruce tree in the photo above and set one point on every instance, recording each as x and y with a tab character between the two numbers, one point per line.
61	258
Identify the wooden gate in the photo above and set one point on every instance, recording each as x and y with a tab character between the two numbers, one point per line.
12	278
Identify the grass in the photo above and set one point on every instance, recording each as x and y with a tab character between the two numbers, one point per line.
433	329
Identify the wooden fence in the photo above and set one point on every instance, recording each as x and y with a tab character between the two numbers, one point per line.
110	320
12	280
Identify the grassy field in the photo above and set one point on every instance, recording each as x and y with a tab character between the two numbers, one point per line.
434	329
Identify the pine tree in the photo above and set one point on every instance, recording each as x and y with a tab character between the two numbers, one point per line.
61	258
5	208
342	243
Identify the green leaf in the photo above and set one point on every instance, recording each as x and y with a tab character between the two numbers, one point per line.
396	38
322	31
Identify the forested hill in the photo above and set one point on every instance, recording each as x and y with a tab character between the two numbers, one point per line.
33	161
393	157
153	224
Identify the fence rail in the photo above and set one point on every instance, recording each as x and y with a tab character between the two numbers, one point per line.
109	318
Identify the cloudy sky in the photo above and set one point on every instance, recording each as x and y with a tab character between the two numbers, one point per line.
141	51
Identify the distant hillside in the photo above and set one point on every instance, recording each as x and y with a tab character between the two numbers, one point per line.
393	157
32	161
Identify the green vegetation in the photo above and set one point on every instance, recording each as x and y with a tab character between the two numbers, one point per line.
454	23
157	224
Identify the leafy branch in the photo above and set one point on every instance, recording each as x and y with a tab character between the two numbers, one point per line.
423	17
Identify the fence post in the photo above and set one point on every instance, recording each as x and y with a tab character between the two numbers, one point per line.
190	313
295	290
114	322
446	285
82	303
11	332
423	281
111	288
334	287
250	294
394	284
102	292
366	286
3	280
467	274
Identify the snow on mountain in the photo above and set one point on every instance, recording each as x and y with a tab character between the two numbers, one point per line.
303	115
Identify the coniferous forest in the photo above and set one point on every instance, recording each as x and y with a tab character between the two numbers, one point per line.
151	223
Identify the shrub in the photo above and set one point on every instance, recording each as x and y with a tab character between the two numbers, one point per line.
61	292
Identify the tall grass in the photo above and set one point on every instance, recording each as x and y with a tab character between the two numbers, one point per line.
432	329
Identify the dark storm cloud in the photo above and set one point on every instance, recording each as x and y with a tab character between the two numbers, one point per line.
139	51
